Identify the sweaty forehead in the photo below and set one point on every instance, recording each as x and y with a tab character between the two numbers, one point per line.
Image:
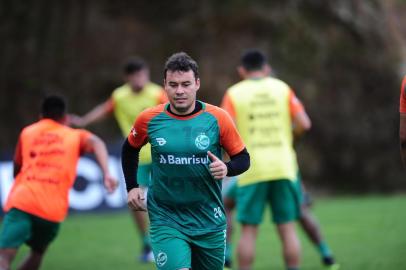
179	76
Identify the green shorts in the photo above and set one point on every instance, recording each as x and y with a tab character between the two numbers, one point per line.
175	250
20	227
283	195
144	174
229	190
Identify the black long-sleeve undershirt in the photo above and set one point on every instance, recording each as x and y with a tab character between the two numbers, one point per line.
129	163
238	164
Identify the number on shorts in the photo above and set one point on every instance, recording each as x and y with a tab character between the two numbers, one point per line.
217	212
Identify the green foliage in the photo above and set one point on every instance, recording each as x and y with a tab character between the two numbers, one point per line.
364	233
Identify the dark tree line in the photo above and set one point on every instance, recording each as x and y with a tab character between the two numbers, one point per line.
341	57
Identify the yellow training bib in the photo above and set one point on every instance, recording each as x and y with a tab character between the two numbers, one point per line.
128	105
264	122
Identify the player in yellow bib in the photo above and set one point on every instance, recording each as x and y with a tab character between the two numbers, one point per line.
126	103
306	220
264	110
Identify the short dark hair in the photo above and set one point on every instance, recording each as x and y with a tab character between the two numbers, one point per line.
53	107
253	59
134	65
181	61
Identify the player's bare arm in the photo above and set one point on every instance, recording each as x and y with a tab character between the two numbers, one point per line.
98	113
95	145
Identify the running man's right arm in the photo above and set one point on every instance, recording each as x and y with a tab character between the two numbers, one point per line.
129	161
96	114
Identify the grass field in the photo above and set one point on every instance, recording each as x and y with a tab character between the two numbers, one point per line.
366	233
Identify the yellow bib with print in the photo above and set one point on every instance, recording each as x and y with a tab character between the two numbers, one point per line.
264	122
128	105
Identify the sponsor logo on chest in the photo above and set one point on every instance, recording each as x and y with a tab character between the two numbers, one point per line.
182	160
201	142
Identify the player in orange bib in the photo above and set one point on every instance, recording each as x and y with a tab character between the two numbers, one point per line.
45	162
402	124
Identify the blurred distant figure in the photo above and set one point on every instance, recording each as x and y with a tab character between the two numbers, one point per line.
306	220
402	124
265	109
45	169
126	103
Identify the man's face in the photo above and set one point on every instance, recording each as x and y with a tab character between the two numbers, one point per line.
138	80
181	88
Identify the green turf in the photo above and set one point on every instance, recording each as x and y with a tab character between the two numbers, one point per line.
364	233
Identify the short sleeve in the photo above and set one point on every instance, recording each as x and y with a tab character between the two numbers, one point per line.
228	105
139	132
295	105
402	103
230	139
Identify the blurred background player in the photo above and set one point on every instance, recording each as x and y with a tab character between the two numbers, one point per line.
307	221
402	123
45	169
126	102
265	109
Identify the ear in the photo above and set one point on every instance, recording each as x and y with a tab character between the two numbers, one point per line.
198	84
242	72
